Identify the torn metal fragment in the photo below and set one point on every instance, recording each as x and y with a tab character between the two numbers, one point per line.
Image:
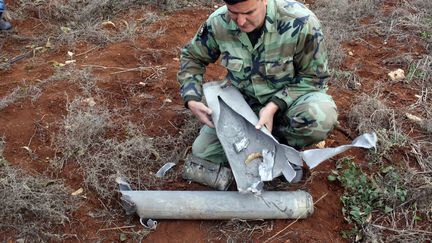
314	157
164	169
233	119
265	169
127	204
151	224
123	185
241	145
256	188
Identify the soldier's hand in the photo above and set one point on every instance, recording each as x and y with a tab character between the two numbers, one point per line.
266	116
201	111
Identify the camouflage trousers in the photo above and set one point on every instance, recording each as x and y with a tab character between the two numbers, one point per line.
307	121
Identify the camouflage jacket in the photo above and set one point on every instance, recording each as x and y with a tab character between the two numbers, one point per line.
288	60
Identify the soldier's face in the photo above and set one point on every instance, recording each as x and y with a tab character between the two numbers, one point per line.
248	15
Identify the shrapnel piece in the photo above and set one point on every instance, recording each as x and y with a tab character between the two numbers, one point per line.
241	145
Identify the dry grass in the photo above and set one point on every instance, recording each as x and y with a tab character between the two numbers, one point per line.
85	137
237	230
346	79
33	205
370	114
77	21
340	23
25	91
414	18
2	144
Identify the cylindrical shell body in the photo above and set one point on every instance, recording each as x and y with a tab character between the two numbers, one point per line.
220	204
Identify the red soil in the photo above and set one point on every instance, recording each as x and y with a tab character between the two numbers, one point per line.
17	122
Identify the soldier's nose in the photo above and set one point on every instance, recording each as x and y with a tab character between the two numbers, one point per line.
241	20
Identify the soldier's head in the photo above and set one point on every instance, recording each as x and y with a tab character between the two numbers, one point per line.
247	14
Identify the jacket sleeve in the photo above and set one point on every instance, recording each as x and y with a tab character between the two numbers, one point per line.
310	63
194	58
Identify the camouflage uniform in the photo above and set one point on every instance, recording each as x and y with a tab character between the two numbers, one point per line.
287	66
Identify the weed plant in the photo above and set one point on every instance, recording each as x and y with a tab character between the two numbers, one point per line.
367	196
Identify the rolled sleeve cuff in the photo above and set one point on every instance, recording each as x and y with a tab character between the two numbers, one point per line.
280	103
188	98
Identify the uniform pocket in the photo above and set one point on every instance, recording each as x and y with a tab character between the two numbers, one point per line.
235	65
280	71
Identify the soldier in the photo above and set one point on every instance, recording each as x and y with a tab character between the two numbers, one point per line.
274	53
4	25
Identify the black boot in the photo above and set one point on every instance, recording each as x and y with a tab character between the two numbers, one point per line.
207	173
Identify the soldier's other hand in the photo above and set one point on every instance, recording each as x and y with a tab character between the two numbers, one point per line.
201	111
266	116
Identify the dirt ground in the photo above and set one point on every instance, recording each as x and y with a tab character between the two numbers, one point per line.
33	123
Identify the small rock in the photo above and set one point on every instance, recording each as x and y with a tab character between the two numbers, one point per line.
108	24
414	118
350	53
77	192
397	75
146	96
90	101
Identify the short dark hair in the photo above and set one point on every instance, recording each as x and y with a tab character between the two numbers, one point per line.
232	2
